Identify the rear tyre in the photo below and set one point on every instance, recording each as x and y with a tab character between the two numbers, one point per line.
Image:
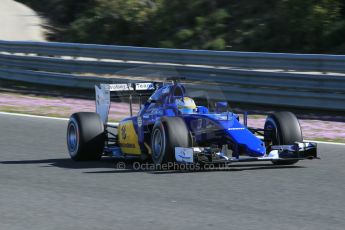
285	130
168	133
85	137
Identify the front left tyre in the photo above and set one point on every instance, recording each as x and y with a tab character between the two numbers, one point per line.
85	136
168	133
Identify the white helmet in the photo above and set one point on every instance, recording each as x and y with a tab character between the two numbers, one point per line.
185	105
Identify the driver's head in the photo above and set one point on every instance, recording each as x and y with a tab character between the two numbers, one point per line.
185	105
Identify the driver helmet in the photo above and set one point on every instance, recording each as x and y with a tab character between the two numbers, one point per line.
185	105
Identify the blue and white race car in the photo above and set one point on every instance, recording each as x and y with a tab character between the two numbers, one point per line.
170	127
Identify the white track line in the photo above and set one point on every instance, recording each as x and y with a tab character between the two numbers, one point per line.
325	142
66	119
321	142
33	116
43	117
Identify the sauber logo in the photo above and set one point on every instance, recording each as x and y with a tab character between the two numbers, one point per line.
236	128
123	132
140	121
184	155
119	87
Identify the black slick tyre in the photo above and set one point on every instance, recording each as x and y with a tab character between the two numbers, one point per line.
168	133
285	130
85	136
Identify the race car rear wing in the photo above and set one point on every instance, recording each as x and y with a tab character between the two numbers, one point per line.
104	92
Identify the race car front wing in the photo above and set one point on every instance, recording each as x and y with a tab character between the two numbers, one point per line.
298	151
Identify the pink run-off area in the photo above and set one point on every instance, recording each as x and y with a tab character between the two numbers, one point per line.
59	107
313	129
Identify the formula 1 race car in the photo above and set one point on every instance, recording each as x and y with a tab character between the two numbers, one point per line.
169	127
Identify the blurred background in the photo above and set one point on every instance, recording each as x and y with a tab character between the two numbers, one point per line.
309	26
276	26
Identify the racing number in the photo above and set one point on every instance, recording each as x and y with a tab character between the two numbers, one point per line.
123	132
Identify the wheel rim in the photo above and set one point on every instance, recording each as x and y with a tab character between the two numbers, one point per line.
271	130
158	143
72	138
273	134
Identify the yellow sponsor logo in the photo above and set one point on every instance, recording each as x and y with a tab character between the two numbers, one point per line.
128	138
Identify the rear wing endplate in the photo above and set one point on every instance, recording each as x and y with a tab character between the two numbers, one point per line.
104	91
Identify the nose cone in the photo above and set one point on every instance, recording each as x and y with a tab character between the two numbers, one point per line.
258	150
249	143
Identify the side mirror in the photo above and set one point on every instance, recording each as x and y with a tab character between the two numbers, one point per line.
171	106
202	109
171	109
221	106
155	102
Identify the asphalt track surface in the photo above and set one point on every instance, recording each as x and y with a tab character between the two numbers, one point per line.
41	188
19	22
